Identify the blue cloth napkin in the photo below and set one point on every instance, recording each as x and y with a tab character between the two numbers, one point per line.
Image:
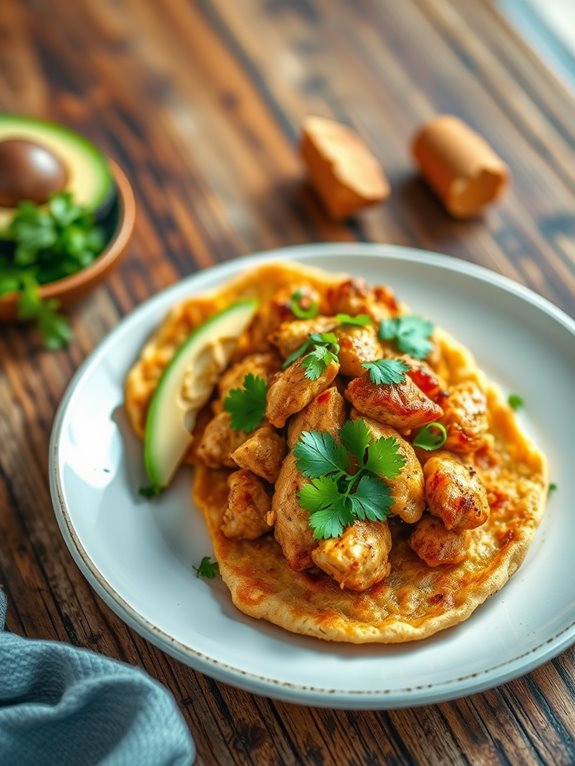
64	706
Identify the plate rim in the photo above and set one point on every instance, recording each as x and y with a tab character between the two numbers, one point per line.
445	690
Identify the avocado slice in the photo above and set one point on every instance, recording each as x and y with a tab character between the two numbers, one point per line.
90	179
186	385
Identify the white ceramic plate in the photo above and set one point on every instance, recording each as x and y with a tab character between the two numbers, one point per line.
139	555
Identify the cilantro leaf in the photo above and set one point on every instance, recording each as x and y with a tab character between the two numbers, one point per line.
515	401
317	453
338	494
49	242
361	320
247	405
431	437
372	499
329	510
317	362
411	334
207	568
320	349
54	327
552	488
355	437
303	305
386	371
384	457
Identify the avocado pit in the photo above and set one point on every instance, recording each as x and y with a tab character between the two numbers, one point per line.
29	172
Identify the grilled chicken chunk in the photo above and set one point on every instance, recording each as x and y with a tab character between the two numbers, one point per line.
218	442
357	345
354	296
260	365
248	505
465	417
424	377
292	530
401	405
437	545
262	453
291	335
407	489
324	413
359	557
290	391
454	493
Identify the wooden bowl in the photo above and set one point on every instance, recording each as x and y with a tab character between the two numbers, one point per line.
71	289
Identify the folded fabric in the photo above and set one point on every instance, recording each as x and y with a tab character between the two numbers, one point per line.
62	705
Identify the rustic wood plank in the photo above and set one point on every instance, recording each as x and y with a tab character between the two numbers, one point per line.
201	104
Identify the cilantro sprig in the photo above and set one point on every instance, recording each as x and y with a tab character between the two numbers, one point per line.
346	478
247	405
386	371
303	305
47	243
319	351
515	401
410	333
207	568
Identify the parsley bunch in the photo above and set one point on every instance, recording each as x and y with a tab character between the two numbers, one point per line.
411	334
49	242
346	478
319	351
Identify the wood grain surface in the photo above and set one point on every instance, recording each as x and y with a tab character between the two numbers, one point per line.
200	102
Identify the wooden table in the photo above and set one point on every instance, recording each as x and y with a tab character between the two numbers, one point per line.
201	103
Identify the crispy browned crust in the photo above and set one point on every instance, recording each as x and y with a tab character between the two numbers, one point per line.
415	601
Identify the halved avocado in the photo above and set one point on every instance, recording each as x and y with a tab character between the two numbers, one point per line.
90	179
186	385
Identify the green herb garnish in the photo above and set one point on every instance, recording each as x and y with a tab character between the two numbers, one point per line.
207	568
303	306
49	243
431	437
410	333
346	478
361	320
515	401
386	371
150	491
247	405
319	351
552	488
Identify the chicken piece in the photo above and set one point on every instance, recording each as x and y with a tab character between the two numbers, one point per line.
454	492
407	489
262	453
248	505
291	335
218	442
401	405
357	345
353	296
324	413
425	378
290	391
358	558
260	365
292	530
465	417
436	545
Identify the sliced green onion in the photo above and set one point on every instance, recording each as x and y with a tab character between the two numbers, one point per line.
361	320
303	306
431	437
